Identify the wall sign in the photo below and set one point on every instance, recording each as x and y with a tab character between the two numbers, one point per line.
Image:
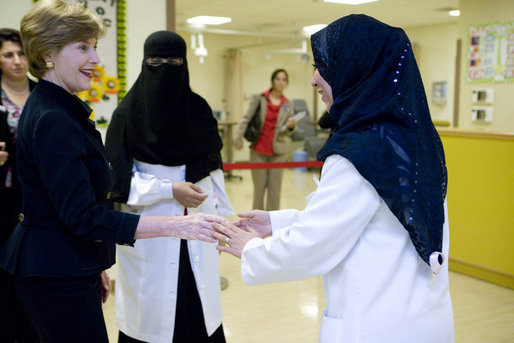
491	52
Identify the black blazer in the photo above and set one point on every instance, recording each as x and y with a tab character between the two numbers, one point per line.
68	227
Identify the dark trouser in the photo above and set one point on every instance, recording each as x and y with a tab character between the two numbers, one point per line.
14	325
64	310
189	320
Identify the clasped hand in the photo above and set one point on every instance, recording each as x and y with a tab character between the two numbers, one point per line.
188	194
197	226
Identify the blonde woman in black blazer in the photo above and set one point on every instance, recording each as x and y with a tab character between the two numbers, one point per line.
66	237
275	112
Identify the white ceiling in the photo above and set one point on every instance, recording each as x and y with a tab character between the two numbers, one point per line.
287	17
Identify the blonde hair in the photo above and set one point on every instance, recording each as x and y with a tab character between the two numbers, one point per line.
50	25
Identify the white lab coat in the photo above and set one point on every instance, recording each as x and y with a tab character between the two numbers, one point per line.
377	289
146	283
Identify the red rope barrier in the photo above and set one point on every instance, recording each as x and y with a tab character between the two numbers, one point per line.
272	165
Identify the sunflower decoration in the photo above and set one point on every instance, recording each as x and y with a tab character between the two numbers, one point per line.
102	86
110	85
98	73
95	93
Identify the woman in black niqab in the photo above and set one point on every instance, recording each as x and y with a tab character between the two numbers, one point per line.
162	121
159	128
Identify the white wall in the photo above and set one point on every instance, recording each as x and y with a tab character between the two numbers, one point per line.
435	54
11	12
143	18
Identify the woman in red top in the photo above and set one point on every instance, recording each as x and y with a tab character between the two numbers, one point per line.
275	112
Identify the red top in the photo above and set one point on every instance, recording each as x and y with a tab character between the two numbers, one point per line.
264	144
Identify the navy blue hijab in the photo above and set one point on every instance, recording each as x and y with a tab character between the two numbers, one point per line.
383	125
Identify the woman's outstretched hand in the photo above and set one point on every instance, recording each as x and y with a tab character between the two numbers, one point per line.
232	239
197	226
259	220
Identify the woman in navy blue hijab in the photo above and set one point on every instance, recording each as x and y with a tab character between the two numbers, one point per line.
376	227
383	125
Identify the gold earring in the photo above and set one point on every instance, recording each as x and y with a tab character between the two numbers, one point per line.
49	65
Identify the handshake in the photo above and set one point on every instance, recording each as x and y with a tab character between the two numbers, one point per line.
231	237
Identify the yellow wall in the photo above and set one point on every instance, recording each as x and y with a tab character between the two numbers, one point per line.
481	205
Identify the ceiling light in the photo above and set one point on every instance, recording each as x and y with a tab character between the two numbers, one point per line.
208	20
454	13
350	2
312	29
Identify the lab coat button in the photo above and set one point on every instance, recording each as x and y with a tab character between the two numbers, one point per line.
196	259
202	286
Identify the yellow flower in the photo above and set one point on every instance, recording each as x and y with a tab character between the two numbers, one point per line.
95	93
111	85
98	73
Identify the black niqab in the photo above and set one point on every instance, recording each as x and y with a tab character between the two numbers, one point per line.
162	121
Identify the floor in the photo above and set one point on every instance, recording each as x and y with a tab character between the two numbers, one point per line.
290	312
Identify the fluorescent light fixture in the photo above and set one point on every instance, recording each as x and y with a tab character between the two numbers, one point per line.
312	29
208	20
350	2
454	13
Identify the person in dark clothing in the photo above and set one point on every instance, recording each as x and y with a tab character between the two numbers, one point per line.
15	89
164	144
66	237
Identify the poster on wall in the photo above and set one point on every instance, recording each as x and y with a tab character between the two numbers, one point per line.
491	52
109	75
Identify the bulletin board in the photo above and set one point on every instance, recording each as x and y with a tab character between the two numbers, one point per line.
109	77
491	52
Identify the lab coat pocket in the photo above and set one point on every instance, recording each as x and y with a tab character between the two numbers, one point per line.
331	329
